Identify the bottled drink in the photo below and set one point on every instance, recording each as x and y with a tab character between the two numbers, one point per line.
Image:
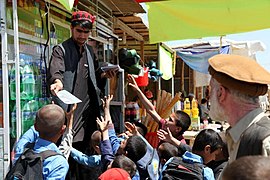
28	82
34	106
187	106
42	102
27	116
195	119
12	83
195	110
13	131
194	104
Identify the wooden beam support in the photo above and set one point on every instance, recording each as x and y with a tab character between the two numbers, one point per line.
127	29
142	51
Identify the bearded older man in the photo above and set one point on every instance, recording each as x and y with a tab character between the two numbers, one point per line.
235	87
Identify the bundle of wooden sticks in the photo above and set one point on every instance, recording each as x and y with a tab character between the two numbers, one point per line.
164	106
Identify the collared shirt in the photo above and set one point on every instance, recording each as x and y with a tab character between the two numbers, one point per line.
192	158
233	134
66	149
149	163
54	167
29	136
90	161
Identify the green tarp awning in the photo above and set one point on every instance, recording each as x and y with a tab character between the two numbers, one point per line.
192	19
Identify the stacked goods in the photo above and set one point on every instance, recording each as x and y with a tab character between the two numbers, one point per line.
195	119
164	106
193	112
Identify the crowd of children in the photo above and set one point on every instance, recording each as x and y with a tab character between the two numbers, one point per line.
128	156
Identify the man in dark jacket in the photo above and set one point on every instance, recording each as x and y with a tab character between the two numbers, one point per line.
73	67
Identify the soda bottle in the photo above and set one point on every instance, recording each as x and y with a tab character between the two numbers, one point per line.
42	102
34	106
13	131
12	83
27	116
195	119
28	82
187	106
195	110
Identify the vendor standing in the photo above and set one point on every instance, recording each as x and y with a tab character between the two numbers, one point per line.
73	67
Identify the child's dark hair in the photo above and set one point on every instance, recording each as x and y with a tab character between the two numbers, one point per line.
143	130
207	137
182	120
248	168
167	150
203	100
125	163
82	23
135	148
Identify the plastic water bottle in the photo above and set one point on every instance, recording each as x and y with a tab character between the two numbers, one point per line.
27	116
12	84
34	106
28	82
13	131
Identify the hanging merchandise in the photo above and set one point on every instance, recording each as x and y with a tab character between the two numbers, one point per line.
154	73
142	80
129	60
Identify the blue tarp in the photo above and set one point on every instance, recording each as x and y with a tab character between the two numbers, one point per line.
197	58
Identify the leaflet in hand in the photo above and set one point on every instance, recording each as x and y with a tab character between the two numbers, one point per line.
110	67
67	97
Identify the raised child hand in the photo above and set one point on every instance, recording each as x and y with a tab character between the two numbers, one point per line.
132	82
102	123
107	100
132	128
165	135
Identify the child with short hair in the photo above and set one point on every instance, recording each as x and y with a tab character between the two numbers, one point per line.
178	122
207	144
166	151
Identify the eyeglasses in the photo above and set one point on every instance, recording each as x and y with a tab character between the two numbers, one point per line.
82	31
